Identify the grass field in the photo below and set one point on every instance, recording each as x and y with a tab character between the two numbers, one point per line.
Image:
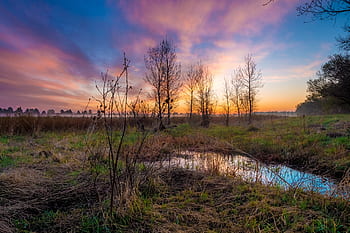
50	180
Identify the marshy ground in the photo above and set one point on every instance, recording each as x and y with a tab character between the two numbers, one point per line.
50	183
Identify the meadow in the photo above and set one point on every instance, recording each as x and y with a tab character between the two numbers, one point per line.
55	176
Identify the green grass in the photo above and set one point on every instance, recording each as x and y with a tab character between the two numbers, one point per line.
93	224
4	140
42	221
100	169
180	130
6	161
7	158
10	150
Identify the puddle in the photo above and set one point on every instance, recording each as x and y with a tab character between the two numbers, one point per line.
251	170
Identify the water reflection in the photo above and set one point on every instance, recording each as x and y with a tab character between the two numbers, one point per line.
251	170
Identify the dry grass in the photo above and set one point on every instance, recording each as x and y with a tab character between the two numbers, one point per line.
344	185
30	125
196	202
28	191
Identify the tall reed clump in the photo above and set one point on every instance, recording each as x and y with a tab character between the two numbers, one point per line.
125	172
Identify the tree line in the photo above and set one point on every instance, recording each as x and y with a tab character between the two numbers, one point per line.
166	77
330	92
36	112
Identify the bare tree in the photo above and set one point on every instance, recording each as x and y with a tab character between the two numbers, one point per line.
324	9
321	9
191	82
237	91
134	104
136	107
164	76
267	2
227	99
154	64
172	76
251	81
344	41
329	9
245	102
205	95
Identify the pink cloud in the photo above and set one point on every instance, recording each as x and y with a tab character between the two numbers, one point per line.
45	64
192	20
160	16
41	73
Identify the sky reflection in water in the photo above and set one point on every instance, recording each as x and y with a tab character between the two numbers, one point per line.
251	170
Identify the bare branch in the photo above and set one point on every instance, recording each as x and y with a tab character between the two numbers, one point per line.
324	9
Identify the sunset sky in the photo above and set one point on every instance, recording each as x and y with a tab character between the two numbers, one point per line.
52	52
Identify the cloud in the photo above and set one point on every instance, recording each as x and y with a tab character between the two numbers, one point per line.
42	72
306	71
219	33
161	17
298	72
39	64
192	21
204	18
31	26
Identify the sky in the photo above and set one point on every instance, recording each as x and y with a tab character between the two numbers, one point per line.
52	52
